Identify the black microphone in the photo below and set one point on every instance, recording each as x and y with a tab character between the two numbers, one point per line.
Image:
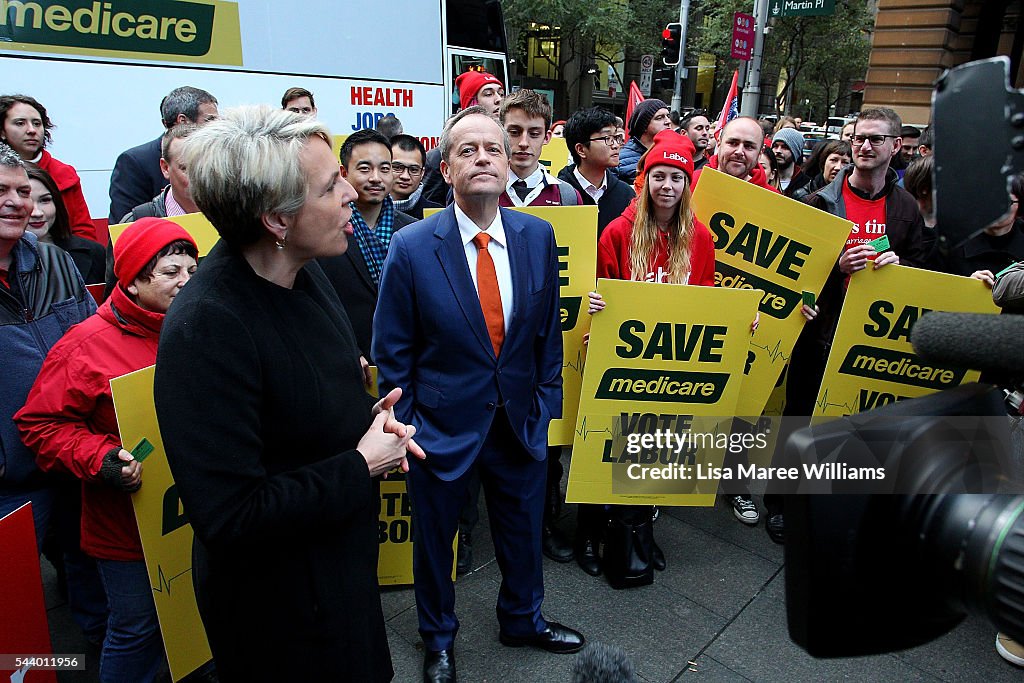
600	663
979	341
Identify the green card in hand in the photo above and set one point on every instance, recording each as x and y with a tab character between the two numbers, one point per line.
881	244
142	450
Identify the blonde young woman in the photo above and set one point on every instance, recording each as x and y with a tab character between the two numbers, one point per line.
656	239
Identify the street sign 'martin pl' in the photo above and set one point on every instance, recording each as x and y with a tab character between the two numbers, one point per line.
801	8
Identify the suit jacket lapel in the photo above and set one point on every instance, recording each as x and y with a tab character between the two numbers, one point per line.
452	255
359	262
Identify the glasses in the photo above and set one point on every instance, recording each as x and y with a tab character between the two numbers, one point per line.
399	169
875	140
609	139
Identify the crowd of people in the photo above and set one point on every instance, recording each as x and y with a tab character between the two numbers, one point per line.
323	270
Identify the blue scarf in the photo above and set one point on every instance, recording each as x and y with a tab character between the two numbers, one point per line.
374	243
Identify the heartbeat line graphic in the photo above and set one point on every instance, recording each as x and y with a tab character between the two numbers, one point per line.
825	405
164	583
584	432
577	364
774	353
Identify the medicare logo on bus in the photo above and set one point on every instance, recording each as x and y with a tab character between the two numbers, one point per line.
147	27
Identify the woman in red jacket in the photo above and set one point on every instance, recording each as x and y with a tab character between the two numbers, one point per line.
69	423
656	239
26	128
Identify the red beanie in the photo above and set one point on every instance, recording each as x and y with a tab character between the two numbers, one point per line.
469	85
140	242
670	149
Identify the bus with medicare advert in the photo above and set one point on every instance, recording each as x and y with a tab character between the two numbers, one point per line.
101	67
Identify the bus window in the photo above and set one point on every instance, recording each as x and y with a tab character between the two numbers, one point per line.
476	24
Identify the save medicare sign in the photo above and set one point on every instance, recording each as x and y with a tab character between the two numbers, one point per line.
206	32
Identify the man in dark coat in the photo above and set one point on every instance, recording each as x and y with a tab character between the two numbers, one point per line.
137	177
590	137
355	275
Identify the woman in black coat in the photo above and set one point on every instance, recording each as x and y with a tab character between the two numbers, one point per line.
272	439
50	223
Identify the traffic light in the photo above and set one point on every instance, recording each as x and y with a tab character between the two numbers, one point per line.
665	78
671	44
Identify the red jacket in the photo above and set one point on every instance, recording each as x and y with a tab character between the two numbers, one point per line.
69	423
70	186
757	175
613	252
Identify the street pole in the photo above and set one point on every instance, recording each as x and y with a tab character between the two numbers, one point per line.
752	88
677	92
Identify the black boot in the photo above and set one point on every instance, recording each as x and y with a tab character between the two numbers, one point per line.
589	530
464	557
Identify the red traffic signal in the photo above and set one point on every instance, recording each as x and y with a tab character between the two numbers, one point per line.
671	44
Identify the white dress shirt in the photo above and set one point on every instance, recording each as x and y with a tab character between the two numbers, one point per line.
589	187
534	181
497	248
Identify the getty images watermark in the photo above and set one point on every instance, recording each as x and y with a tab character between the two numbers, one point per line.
890	455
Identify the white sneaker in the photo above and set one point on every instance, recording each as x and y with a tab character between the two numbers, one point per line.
1009	649
745	510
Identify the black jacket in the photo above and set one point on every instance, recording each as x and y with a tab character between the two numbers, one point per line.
985	252
614	201
435	189
351	279
261	405
135	179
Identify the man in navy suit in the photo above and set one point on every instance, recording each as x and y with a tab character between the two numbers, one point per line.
467	323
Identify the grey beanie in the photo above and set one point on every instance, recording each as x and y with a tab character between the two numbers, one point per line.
642	115
794	139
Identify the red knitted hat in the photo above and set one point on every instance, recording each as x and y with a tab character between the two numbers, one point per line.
469	85
140	242
670	149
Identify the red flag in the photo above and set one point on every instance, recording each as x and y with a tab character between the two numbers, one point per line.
634	98
730	110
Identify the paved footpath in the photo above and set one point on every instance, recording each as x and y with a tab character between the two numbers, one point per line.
716	614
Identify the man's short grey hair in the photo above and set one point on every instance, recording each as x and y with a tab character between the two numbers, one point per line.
446	135
246	165
178	132
9	158
184	100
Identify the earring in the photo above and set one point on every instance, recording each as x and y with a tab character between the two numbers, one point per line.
281	242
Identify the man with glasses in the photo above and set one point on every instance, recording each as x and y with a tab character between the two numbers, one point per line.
407	160
594	146
866	194
366	164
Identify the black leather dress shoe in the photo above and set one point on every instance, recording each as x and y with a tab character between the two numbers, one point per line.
439	667
464	556
776	527
561	640
587	557
556	545
657	556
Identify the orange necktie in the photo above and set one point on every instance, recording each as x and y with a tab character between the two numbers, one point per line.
490	295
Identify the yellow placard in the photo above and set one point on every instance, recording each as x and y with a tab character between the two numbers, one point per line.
662	359
394	534
166	534
871	362
554	156
204	32
576	237
765	241
196	224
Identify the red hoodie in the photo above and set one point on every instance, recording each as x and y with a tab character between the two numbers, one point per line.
613	252
757	175
69	423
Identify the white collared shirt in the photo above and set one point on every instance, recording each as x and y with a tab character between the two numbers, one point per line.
497	248
589	187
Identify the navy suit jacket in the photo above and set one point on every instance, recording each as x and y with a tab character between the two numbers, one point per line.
430	339
136	178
